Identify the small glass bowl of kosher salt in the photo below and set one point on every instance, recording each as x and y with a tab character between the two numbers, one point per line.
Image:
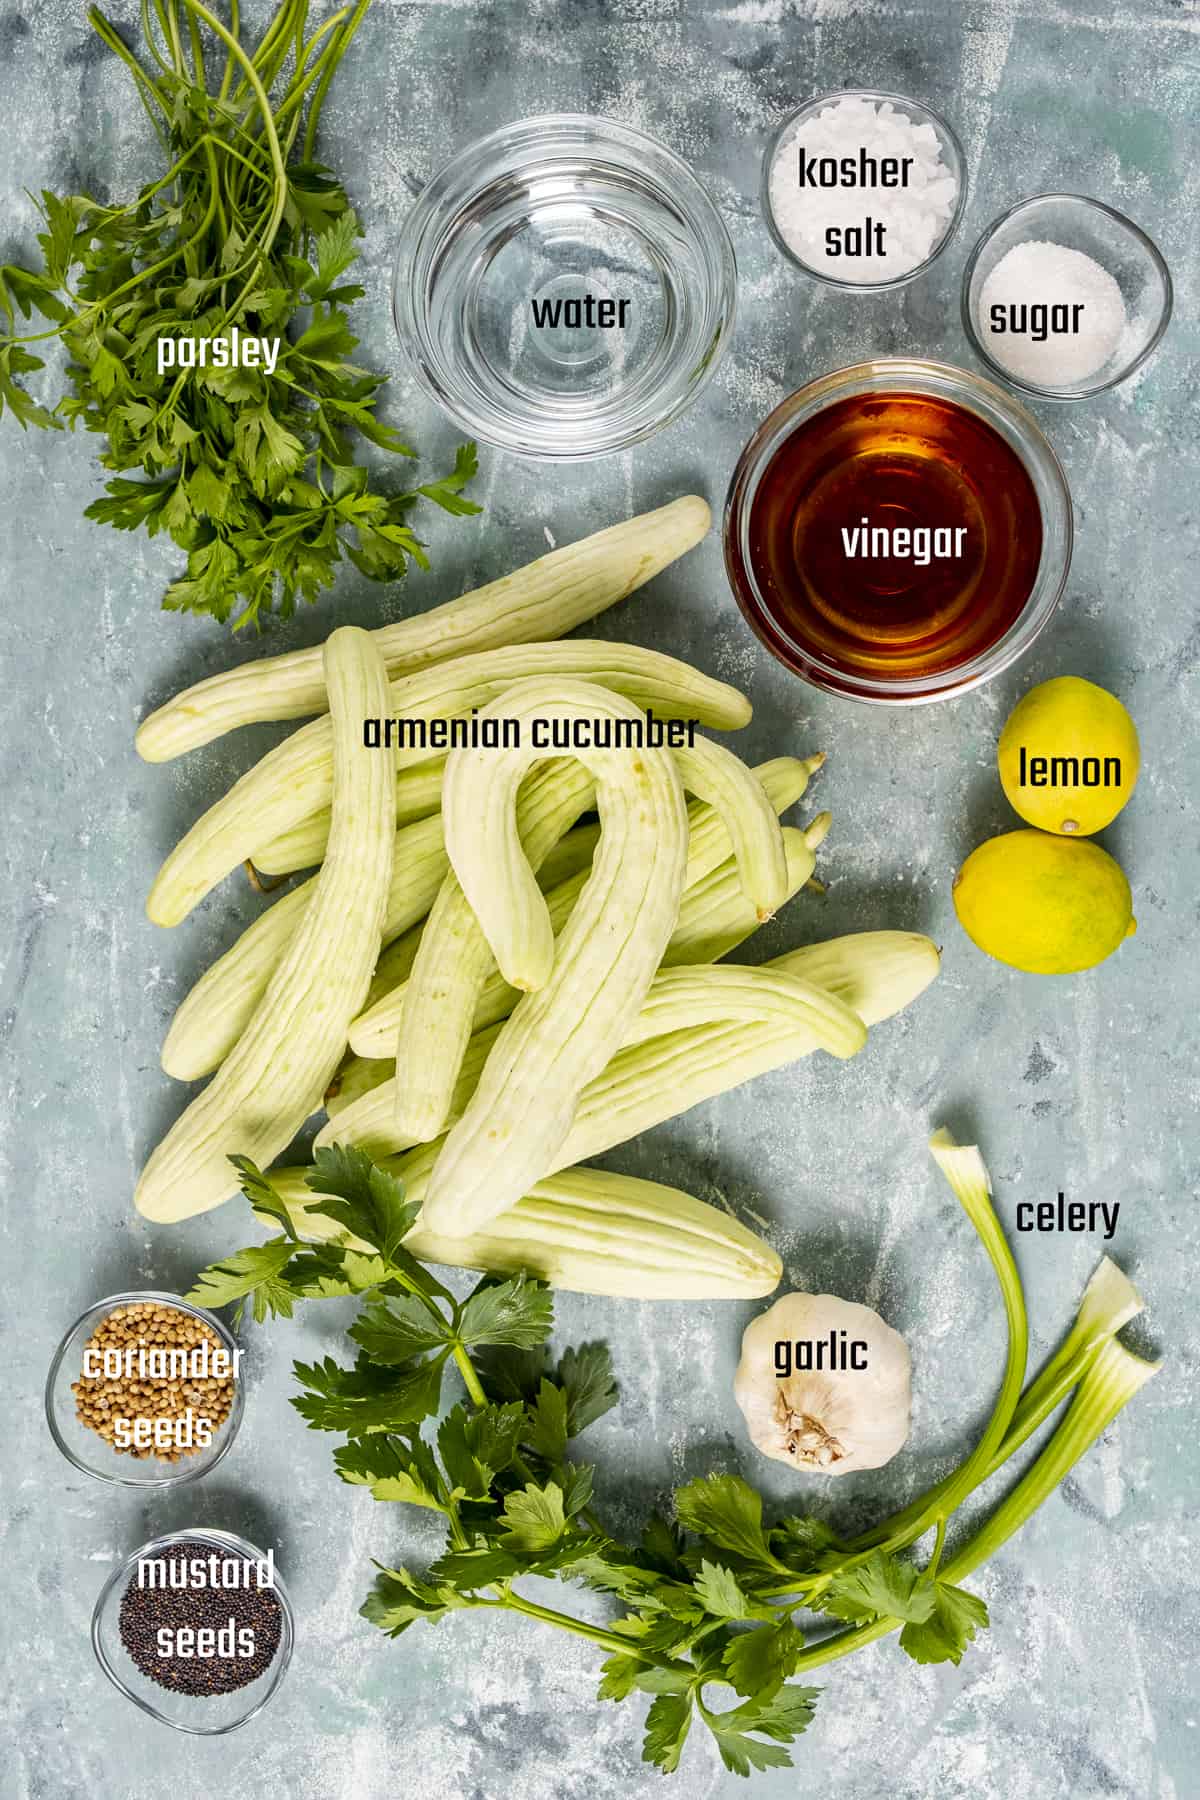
192	1402
199	1708
876	195
1063	298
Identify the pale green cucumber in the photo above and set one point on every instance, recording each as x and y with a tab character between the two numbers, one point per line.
710	993
454	962
295	778
418	795
277	1073
875	973
581	995
718	777
215	1012
590	1232
678	996
714	917
357	1077
451	965
546	599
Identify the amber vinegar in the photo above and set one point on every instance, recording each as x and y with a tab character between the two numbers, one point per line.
894	535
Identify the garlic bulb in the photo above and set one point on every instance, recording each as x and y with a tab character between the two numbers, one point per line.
823	1384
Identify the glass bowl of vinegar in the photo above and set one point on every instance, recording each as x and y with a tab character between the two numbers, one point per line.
898	532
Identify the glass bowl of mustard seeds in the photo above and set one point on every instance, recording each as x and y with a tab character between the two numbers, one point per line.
196	1629
144	1391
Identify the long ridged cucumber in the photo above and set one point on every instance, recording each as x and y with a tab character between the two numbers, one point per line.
418	795
213	1015
295	778
590	1232
546	599
714	914
783	780
454	961
717	776
710	993
875	973
581	993
279	1069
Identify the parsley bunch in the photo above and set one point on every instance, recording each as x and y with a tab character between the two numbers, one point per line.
253	474
713	1599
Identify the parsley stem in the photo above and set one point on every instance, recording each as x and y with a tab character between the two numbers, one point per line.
467	1369
318	99
260	94
608	1640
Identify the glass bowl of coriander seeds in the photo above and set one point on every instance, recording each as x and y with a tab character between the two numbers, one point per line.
196	1629
144	1391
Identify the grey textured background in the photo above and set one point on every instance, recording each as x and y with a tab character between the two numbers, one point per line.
1085	1686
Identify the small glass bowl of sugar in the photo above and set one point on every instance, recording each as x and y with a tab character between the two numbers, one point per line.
863	190
1063	298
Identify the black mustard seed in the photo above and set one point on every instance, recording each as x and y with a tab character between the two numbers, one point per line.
147	1610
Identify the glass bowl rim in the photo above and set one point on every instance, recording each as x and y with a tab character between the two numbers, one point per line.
633	143
873	94
1154	255
223	1540
158	1482
1025	629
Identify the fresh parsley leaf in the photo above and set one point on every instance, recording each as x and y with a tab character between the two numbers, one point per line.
447	493
546	1430
394	1468
262	1196
258	1272
395	1330
366	1399
662	1546
881	1587
362	1197
624	1675
585	1373
519	1312
510	1374
724	1598
667	1726
398	1598
577	1482
781	1718
803	1544
475	1447
727	1511
950	1627
244	467
535	1517
760	1661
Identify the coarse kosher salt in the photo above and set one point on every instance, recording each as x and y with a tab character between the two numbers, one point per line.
1063	314
817	217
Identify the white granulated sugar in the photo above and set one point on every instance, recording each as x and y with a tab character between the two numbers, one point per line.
829	177
1057	345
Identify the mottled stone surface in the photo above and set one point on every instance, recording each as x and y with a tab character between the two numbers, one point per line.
1085	1686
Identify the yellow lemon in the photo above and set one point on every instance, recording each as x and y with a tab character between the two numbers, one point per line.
1069	756
1049	905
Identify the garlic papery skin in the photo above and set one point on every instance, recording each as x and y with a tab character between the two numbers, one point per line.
804	1400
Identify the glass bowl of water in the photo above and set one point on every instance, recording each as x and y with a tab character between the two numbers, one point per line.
565	287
